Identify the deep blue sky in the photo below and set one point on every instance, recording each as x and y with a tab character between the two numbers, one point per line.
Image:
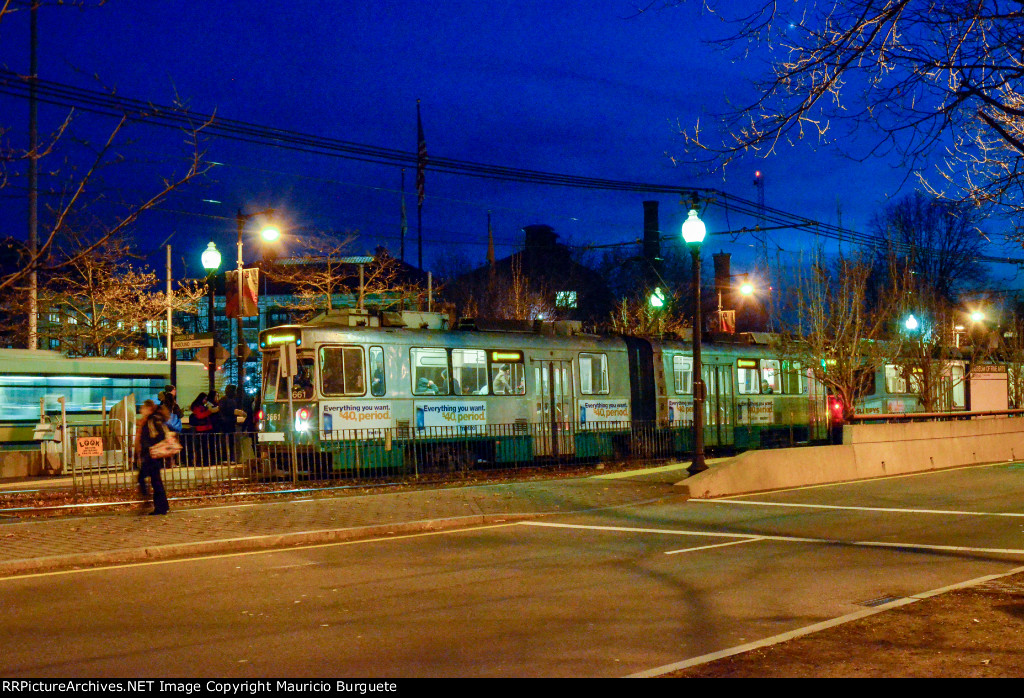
588	89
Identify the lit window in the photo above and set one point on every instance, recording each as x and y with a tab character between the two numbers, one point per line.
682	370
593	374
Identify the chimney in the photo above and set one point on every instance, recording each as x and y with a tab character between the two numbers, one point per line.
722	273
726	300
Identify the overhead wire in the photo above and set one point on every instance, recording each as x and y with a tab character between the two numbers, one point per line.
117	106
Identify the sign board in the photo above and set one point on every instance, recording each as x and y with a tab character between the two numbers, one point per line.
337	417
755	411
203	355
89	446
467	416
195	340
680	413
594	413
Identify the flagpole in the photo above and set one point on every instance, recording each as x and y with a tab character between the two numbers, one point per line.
405	222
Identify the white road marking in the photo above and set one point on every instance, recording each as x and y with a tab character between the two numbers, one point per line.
716	545
824	625
787	539
947	512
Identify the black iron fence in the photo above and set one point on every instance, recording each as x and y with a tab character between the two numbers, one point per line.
109	461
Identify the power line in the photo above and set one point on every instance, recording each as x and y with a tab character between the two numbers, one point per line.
117	106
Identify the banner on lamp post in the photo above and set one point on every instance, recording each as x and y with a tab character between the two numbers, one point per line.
250	293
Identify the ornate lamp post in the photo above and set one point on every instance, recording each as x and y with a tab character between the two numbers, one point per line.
693	233
211	263
269	234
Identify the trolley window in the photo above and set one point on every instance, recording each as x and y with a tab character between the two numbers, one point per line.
429	371
748	381
771	377
508	373
593	374
302	384
959	392
895	380
682	371
794	378
270	380
377	385
469	372
341	371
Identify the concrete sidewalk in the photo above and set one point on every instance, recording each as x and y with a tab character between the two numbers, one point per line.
37	545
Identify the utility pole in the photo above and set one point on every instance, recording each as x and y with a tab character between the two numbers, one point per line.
33	177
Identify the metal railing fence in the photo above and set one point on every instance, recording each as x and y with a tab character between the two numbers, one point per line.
243	460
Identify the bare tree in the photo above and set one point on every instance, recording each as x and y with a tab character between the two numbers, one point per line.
937	241
81	204
836	333
918	78
638	318
324	271
104	305
507	294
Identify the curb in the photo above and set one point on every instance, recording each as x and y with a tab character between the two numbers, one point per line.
251	544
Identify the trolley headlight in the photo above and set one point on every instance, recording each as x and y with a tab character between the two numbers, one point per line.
302	420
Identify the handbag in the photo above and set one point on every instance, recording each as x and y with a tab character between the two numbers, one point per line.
168	447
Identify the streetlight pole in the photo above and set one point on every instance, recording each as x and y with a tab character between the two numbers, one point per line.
211	262
693	233
269	234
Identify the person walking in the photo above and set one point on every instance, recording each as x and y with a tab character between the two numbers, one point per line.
153	430
169	400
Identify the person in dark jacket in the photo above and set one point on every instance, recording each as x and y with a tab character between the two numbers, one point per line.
153	430
227	408
201	420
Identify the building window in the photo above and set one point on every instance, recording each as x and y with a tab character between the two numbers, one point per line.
565	299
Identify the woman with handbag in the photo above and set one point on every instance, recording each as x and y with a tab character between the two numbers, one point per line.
157	443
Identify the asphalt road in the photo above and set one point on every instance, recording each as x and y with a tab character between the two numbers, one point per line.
621	592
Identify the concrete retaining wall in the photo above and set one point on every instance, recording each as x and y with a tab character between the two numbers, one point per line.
868	450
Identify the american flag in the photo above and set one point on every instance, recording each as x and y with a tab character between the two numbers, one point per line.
421	157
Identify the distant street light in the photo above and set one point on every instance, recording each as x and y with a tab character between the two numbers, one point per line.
269	233
911	323
211	263
694	231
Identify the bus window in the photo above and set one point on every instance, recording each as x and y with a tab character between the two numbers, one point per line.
341	371
377	384
429	371
682	370
469	372
747	380
593	374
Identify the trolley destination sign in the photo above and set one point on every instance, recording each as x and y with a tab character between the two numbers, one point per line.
195	340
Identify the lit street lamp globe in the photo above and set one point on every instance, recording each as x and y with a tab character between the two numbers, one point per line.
694	229
211	258
270	234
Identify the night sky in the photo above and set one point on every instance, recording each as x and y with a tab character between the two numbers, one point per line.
591	89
